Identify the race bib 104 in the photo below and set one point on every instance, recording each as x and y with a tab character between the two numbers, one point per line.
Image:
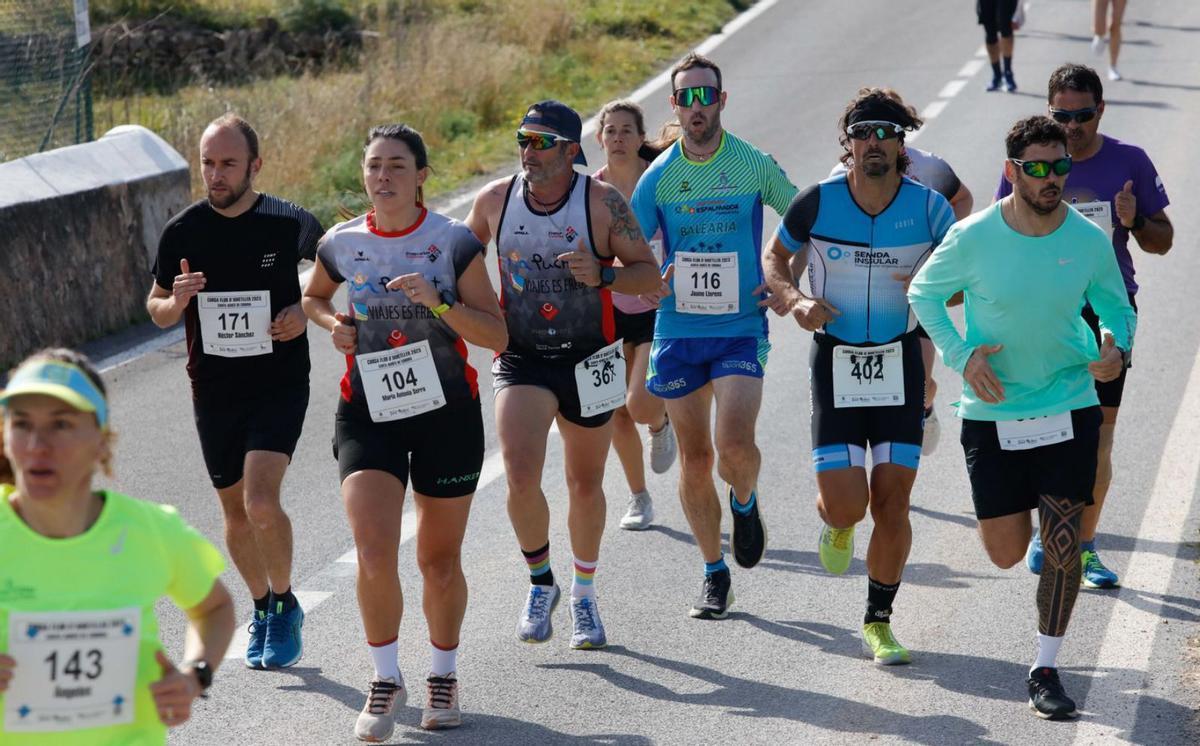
400	383
75	669
235	324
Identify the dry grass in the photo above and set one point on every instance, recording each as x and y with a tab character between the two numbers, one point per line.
461	71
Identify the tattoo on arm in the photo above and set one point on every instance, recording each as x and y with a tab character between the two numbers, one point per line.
623	222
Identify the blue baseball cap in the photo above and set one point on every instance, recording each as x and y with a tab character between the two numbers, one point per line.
559	117
63	381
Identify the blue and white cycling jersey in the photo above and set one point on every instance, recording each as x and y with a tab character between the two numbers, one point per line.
859	262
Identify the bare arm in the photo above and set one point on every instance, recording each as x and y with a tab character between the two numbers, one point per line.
318	306
638	272
485	212
210	628
476	317
778	272
1157	234
962	202
165	306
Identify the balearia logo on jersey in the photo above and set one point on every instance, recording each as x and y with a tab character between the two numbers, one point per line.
711	228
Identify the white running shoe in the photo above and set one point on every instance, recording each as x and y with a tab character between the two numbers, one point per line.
534	625
587	630
640	513
1098	45
933	433
1114	74
662	448
441	703
378	719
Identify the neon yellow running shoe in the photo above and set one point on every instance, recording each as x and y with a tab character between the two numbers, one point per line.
836	548
880	644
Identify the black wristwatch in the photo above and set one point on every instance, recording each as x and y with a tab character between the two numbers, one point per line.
1126	357
1139	222
204	674
608	276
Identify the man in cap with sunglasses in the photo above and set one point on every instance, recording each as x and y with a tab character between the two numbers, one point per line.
864	233
1114	184
1031	417
557	232
706	192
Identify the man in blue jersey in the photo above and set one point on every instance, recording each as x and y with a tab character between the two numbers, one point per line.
706	193
1031	415
865	233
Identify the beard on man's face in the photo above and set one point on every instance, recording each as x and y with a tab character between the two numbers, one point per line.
233	192
1043	197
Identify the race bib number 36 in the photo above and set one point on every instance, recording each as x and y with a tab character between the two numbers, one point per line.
600	380
235	324
706	283
1021	435
868	376
400	383
75	669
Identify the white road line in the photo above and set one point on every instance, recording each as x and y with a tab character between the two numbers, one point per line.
933	109
952	89
971	67
241	637
1132	629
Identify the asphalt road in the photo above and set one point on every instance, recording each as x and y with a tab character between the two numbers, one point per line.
786	666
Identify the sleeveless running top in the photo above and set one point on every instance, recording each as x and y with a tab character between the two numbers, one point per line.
366	259
853	256
549	313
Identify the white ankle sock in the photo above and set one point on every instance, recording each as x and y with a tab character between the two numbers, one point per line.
582	584
1047	651
442	661
385	659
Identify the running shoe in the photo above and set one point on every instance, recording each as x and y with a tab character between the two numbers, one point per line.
1114	74
535	619
1010	83
932	434
283	647
879	643
587	631
1047	698
1034	554
378	719
662	448
995	85
1095	574
749	537
716	596
836	548
1098	45
441	703
640	513
258	638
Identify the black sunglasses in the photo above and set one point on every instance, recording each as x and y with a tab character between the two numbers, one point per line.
1042	169
1063	116
881	130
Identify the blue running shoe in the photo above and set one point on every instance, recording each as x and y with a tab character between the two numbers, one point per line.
1095	574
258	638
1033	555
283	647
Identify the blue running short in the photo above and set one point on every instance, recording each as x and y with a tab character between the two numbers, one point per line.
680	366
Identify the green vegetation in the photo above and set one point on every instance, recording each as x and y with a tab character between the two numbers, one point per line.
460	71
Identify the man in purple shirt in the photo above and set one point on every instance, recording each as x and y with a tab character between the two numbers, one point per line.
1115	185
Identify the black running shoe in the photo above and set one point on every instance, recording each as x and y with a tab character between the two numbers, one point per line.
715	597
1047	698
749	534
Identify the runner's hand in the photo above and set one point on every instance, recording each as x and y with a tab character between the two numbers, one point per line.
173	693
1126	205
1108	367
6	672
417	288
664	287
584	266
187	283
345	336
288	324
981	377
903	277
813	313
770	300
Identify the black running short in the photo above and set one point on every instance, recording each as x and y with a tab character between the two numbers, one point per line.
1007	482
442	450
229	429
515	369
635	328
1110	392
840	436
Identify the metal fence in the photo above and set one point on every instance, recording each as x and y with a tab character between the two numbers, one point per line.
45	93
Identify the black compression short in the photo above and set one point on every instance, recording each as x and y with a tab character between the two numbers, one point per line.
229	429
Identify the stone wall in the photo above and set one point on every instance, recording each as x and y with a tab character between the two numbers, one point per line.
79	230
165	54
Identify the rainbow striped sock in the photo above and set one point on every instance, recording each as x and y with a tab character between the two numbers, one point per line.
585	573
539	566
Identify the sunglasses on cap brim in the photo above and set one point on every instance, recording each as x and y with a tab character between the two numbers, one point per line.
1042	169
882	130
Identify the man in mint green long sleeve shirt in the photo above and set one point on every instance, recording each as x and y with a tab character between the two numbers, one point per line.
1031	417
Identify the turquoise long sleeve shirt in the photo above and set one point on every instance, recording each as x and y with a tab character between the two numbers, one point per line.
1025	293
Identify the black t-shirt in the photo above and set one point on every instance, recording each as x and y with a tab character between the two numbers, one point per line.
257	250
